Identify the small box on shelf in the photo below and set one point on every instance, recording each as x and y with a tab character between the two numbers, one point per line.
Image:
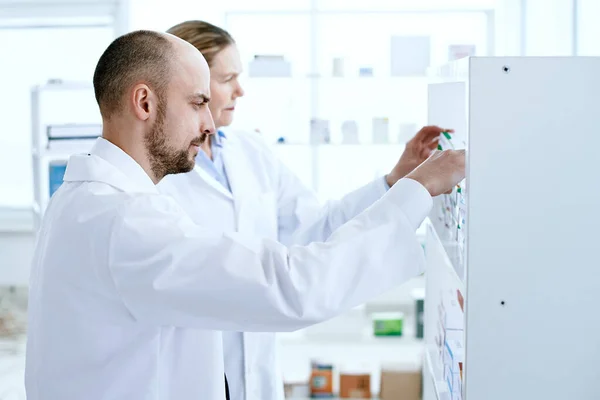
355	385
321	380
388	323
400	382
381	130
269	66
319	131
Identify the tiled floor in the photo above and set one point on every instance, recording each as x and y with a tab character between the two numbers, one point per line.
12	369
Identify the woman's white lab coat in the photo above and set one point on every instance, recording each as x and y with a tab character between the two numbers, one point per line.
268	201
128	294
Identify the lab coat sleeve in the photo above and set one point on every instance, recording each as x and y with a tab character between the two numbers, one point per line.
169	271
302	219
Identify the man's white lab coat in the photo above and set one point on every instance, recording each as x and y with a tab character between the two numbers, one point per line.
268	201
128	294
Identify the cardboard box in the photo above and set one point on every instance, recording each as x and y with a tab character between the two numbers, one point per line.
355	386
400	384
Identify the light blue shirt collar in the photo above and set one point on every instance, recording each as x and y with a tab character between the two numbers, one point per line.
215	167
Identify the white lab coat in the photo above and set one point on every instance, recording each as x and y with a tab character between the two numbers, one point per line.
270	202
127	294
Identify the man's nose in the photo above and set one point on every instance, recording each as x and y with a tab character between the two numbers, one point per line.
208	125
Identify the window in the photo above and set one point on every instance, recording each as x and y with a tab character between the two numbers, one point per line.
37	54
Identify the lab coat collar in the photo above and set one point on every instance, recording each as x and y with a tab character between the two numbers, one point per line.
108	164
235	157
212	182
216	140
240	175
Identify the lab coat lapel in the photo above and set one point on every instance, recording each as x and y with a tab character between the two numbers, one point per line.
239	172
212	182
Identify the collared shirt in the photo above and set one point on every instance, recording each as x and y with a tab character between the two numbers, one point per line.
216	166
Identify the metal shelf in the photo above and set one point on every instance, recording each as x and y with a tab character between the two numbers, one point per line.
458	281
315	340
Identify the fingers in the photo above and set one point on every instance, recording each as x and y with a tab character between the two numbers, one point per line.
433	144
430	133
427	152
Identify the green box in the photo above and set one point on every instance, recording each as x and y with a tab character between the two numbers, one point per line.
388	324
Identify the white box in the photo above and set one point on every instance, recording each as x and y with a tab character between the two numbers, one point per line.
269	67
319	131
381	130
458	51
350	132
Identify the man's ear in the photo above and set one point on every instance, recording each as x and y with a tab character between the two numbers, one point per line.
143	101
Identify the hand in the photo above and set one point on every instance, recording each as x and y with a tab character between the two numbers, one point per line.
417	150
441	172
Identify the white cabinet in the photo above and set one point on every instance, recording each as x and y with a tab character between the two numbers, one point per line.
516	299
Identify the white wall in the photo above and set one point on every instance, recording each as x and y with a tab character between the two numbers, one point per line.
589	28
545	27
549	27
162	14
508	28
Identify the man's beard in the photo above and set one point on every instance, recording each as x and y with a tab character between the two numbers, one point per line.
165	160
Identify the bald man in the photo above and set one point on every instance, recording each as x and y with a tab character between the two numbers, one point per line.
128	295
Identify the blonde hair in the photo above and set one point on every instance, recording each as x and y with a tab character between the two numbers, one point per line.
207	38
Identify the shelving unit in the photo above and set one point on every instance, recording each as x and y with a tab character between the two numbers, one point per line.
311	55
53	104
368	355
432	371
501	300
312	92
